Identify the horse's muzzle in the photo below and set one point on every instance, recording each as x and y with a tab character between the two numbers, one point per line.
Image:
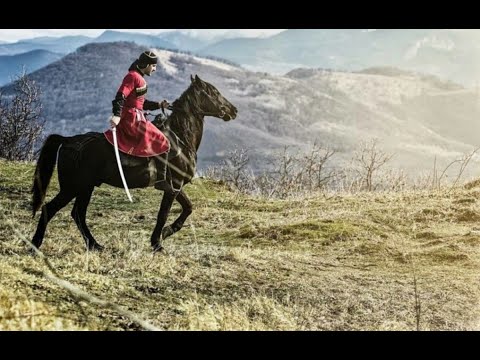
228	114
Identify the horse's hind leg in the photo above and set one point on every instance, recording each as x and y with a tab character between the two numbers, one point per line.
186	204
48	212
79	213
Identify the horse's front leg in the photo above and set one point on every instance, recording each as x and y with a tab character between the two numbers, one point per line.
186	204
167	201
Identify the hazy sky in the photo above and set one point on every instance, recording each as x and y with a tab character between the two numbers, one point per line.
19	34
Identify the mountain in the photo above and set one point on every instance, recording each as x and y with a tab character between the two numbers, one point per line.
449	54
70	40
12	65
62	45
420	118
14	55
140	39
66	44
183	41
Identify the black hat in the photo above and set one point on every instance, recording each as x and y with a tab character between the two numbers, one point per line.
148	57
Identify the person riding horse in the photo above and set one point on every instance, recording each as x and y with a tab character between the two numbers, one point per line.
86	161
137	136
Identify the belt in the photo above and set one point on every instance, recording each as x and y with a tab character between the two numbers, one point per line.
139	112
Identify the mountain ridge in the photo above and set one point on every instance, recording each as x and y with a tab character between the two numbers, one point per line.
13	65
448	54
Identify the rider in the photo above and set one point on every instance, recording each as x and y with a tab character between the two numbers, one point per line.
137	136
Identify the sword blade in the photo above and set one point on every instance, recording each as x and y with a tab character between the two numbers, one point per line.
117	155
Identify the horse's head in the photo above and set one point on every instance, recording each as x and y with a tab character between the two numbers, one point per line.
211	102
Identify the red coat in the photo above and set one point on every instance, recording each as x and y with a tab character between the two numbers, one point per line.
137	136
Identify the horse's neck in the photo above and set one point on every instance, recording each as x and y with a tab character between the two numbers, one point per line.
188	127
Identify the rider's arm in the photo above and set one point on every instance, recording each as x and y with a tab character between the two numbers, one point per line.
151	105
117	104
155	105
128	84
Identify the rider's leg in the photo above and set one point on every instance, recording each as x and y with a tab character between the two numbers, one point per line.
161	183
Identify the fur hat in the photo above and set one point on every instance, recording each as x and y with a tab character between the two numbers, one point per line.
147	58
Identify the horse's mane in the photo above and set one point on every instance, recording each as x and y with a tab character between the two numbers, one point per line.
187	102
188	94
187	97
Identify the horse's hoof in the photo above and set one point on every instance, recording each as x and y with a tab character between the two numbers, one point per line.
158	248
96	247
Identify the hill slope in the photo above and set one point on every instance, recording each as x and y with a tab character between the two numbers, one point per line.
31	52
12	65
419	118
62	45
241	263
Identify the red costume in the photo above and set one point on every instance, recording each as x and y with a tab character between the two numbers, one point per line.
136	136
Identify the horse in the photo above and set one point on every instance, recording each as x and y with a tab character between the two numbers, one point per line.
88	160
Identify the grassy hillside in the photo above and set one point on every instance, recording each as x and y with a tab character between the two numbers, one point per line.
337	262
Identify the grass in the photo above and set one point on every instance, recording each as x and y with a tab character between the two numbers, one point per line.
343	262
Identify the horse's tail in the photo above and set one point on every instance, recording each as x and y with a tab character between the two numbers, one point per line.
44	170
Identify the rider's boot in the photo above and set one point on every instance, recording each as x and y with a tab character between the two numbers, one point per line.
161	183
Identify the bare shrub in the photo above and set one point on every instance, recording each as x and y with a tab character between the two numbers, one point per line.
462	164
369	159
21	125
317	175
393	180
234	169
296	174
291	173
287	174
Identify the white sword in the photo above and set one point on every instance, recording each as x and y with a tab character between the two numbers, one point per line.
117	155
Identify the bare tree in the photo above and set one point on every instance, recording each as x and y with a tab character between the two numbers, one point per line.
370	159
234	166
21	125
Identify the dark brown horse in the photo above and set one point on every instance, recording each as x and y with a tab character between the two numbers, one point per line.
88	160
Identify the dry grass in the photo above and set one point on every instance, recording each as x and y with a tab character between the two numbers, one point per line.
240	263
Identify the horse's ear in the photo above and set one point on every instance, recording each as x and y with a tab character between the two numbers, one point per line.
192	79
197	78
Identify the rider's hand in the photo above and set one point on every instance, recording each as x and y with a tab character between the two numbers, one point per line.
114	120
164	104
